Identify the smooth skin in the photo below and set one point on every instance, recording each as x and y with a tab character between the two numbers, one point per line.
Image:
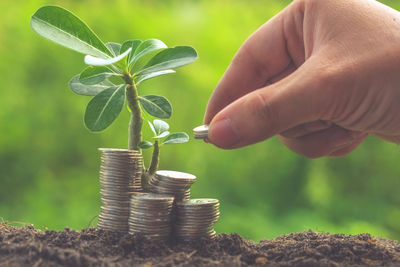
322	75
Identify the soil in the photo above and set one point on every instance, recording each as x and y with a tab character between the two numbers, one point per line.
26	246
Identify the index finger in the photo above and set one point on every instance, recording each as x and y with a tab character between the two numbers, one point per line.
264	55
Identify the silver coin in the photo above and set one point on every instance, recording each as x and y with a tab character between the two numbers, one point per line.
199	201
195	218
120	175
201	132
175	174
194	238
171	182
115	220
150	214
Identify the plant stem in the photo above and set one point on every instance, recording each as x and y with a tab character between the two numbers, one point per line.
147	174
154	159
135	124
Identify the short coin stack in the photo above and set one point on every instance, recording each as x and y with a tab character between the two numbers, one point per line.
120	175
151	215
195	218
172	183
201	132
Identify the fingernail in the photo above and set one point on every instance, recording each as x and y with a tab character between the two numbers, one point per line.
222	134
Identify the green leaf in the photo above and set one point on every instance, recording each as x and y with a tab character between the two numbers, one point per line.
157	106
144	53
160	126
127	44
104	108
95	75
62	27
95	61
176	138
152	128
114	48
170	58
145	77
162	135
89	90
145	144
116	79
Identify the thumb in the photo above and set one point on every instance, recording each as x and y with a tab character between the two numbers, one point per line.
271	110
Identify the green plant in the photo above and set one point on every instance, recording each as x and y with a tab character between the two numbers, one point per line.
115	71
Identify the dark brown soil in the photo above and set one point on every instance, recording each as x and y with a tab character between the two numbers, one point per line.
25	246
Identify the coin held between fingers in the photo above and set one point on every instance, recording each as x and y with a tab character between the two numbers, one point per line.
201	132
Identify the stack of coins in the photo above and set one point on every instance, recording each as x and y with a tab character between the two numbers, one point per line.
201	132
151	215
172	183
120	175
195	218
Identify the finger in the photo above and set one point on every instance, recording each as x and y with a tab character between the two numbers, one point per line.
289	70
390	138
306	128
347	150
266	54
322	143
276	108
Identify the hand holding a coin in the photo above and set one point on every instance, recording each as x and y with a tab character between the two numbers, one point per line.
322	75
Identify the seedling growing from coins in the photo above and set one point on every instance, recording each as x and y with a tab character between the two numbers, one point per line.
114	75
161	137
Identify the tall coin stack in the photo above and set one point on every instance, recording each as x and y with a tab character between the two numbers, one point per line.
195	218
173	183
151	215
120	175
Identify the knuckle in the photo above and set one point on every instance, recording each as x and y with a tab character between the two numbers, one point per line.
261	109
331	85
334	75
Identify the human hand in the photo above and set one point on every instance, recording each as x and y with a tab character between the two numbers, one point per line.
321	74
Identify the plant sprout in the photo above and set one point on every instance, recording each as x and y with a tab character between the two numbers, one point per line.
161	136
114	74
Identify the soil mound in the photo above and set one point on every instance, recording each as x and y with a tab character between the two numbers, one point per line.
26	246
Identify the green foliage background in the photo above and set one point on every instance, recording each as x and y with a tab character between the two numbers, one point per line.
49	162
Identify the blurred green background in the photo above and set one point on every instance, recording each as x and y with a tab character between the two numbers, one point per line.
49	162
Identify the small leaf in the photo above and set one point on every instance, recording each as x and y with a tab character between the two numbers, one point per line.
145	144
95	61
116	79
157	106
160	126
144	77
95	75
152	128
142	61
62	27
144	53
104	108
170	58
89	90
176	138
162	135
130	43
114	48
